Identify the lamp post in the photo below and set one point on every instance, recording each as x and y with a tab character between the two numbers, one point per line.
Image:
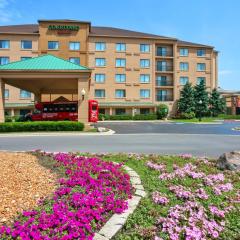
83	92
200	110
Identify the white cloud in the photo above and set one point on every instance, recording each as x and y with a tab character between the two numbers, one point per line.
225	72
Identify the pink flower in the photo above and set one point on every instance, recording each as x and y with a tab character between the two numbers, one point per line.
159	199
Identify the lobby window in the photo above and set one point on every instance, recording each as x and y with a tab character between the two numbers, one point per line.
6	94
99	93
201	52
100	46
144	111
100	62
144	93
75	60
120	111
201	67
184	66
121	47
74	45
53	45
25	58
120	93
120	62
144	63
183	52
4	44
25	94
183	80
144	48
201	79
120	78
144	78
26	44
100	78
4	60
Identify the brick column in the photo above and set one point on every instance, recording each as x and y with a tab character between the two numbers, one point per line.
83	102
2	89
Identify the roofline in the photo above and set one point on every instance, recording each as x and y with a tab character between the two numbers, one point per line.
18	33
195	45
44	71
63	21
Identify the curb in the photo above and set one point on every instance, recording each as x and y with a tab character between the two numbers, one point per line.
116	222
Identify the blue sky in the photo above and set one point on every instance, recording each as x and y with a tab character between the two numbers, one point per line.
211	22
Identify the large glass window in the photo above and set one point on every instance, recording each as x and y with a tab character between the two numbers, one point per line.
120	62
161	51
99	93
120	93
144	78
145	111
201	66
120	78
144	93
4	44
184	66
25	94
100	78
201	52
74	45
75	60
201	79
120	111
100	62
121	47
183	52
162	95
26	44
53	45
144	48
161	81
183	80
6	93
100	46
144	63
4	60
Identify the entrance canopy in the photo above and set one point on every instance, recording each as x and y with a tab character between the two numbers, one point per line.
47	74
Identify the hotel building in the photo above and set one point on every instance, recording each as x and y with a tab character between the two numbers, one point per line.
132	72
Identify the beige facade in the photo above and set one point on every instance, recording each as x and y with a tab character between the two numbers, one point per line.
137	71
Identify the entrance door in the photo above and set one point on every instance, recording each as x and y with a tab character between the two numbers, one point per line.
237	110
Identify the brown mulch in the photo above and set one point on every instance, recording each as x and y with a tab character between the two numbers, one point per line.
22	183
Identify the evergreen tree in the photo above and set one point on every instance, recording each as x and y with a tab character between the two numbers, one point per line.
201	100
186	101
217	104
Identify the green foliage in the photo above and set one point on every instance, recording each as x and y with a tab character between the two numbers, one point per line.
145	117
121	117
187	115
186	103
103	117
41	126
217	104
162	111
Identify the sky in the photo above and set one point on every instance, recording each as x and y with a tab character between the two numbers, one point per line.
210	22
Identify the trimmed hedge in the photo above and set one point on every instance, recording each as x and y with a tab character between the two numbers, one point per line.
127	117
41	126
145	117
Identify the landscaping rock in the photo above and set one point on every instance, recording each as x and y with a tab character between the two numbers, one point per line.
102	129
229	161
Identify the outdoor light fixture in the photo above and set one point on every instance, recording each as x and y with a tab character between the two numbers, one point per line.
83	92
200	110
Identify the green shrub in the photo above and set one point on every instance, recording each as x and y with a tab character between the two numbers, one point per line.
190	115
41	126
145	117
225	116
121	117
162	111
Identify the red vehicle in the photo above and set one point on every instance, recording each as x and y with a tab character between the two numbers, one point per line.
59	111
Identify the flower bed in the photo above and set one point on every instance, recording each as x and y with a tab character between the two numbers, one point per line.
91	191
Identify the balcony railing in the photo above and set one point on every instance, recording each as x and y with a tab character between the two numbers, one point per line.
164	68
164	98
163	53
164	83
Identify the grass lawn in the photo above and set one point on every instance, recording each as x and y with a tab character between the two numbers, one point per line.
142	224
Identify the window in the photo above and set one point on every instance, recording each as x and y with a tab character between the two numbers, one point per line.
120	47
144	63
144	111
144	48
99	78
120	78
201	66
100	62
102	110
25	58
144	93
120	93
201	52
74	45
4	44
120	62
144	78
163	66
100	46
99	93
183	52
162	95
75	60
6	94
201	79
161	81
183	80
120	111
26	44
53	45
184	66
161	51
25	94
4	60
